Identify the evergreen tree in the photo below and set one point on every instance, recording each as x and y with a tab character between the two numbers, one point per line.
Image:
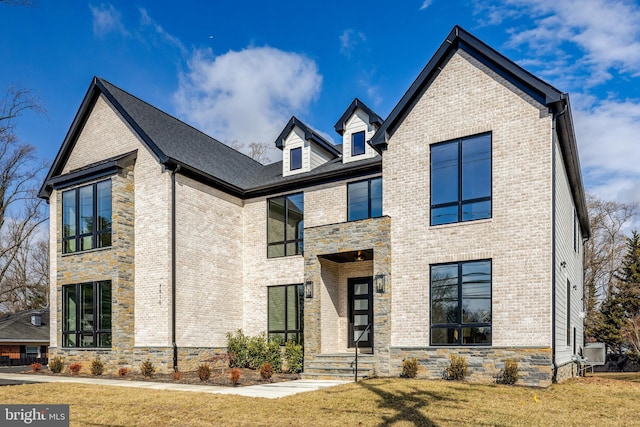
628	277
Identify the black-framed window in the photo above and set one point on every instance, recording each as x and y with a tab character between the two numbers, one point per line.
86	320
461	303
86	217
295	159
285	225
364	199
461	180
357	143
286	313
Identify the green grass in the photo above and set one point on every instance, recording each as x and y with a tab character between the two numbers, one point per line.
377	402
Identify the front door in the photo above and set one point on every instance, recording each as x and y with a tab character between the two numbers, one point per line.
360	311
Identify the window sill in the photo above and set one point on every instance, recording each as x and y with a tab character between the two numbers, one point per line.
461	223
88	251
85	348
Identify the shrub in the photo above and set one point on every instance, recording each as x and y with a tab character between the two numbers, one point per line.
294	355
147	369
56	365
237	345
266	371
234	376
36	367
204	372
122	372
273	355
97	367
176	375
75	368
509	375
457	369
410	367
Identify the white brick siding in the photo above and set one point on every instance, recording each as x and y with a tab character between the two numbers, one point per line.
465	99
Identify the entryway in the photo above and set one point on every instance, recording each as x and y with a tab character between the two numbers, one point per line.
360	312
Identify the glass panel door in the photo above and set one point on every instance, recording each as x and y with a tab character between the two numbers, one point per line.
360	311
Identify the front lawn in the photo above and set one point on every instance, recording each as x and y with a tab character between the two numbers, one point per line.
376	402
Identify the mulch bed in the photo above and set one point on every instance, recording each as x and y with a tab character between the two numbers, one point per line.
219	377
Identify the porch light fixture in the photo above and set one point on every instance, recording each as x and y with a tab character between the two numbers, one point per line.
359	257
308	289
379	282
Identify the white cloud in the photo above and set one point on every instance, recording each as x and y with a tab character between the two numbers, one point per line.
106	19
349	40
425	4
147	21
248	95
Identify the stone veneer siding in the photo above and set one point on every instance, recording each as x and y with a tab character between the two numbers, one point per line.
484	363
116	264
370	233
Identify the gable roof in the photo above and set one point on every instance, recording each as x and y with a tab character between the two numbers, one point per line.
17	327
309	135
177	144
355	104
538	89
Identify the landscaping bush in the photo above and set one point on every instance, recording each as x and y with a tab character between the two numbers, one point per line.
97	367
147	369
410	367
294	355
36	367
56	365
234	376
204	372
237	347
509	375
457	369
122	372
266	371
75	368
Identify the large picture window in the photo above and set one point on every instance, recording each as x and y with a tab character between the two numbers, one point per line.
461	303
86	318
364	199
461	180
86	217
285	225
286	308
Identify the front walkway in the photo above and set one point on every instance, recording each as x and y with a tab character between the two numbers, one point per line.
268	391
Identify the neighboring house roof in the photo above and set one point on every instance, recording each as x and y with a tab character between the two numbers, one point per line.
17	327
177	144
309	135
355	104
538	89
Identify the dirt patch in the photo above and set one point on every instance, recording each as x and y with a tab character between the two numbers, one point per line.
219	377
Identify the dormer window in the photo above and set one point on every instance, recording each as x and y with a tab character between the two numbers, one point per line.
295	159
357	143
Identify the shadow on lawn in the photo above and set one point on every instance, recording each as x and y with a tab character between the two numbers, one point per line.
406	404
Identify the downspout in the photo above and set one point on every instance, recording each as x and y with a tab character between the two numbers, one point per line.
173	268
554	376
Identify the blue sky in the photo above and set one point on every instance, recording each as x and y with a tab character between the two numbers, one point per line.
239	70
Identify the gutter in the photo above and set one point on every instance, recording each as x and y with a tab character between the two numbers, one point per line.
173	267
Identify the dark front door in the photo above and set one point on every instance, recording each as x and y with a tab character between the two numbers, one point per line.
361	311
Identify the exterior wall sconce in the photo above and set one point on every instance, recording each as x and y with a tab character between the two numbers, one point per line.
379	282
308	289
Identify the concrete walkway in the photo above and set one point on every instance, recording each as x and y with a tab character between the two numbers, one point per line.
268	391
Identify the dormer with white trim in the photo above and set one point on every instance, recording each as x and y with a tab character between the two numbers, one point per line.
357	125
303	149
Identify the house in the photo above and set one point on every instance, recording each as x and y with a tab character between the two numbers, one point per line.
24	337
454	226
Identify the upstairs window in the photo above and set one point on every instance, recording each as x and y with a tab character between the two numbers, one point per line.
461	180
357	143
295	160
86	217
364	199
86	309
285	225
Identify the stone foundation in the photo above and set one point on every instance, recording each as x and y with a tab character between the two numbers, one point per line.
162	357
534	364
